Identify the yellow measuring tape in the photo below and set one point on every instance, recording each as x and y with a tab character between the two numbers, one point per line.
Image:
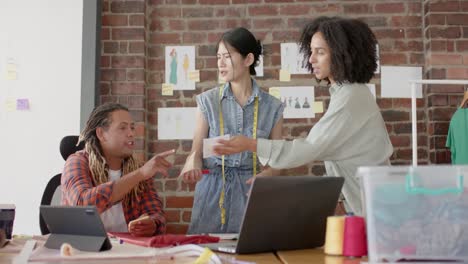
254	155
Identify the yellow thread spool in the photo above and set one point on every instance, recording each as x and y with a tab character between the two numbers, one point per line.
333	260
334	235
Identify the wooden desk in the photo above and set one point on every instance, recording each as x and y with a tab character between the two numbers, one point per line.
261	258
264	258
315	256
185	260
8	254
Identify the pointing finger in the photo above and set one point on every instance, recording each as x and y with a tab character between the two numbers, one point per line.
166	153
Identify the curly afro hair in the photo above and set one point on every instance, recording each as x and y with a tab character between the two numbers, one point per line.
352	44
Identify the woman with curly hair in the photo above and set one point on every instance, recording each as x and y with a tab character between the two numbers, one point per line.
352	132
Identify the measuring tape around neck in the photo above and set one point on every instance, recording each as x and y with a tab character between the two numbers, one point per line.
254	155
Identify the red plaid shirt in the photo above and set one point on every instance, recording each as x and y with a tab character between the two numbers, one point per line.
78	189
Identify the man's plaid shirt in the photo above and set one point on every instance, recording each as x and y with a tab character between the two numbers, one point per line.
78	189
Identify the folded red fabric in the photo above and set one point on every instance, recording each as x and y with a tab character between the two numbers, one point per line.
164	240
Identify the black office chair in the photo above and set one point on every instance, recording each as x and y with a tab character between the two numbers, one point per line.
52	193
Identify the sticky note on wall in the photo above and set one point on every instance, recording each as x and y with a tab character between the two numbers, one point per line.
10	105
167	89
285	76
11	71
274	91
318	107
22	104
194	75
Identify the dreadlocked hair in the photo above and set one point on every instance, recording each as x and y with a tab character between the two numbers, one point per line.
100	117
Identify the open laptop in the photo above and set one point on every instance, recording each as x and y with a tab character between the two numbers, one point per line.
285	213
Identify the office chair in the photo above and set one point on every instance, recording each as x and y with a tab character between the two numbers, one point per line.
52	193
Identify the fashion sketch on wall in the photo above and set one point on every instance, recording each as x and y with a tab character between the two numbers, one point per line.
297	101
180	60
176	122
291	59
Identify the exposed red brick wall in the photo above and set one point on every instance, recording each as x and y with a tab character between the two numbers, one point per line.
428	33
446	57
123	61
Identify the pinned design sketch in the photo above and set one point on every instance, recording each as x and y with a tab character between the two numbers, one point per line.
395	81
291	59
288	102
180	60
296	100
259	67
176	122
186	66
173	67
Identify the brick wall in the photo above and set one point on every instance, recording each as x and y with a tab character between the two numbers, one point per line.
446	57
123	61
425	33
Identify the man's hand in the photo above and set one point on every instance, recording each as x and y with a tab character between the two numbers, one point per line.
142	226
235	145
158	163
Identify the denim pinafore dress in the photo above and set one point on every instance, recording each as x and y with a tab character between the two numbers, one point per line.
238	120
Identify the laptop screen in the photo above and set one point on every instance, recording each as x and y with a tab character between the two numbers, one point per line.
288	212
285	213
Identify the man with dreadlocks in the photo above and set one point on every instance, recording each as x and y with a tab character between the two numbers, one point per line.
106	174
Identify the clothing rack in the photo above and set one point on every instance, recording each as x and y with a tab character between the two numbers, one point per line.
413	110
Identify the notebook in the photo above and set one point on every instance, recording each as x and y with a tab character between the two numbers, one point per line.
285	213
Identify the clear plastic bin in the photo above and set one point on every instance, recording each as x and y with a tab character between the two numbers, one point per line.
416	213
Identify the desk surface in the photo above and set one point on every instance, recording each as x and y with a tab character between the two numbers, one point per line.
8	254
266	258
263	258
315	256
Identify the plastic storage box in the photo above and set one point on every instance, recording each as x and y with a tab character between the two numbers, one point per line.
416	213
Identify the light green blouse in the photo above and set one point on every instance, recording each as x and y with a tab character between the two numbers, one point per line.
351	133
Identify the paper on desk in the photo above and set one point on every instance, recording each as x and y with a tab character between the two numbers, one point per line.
126	251
209	143
25	252
12	246
117	251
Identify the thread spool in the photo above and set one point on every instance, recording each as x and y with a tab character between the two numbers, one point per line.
334	235
334	259
354	244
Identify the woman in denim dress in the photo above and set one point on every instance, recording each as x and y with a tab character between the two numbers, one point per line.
239	98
